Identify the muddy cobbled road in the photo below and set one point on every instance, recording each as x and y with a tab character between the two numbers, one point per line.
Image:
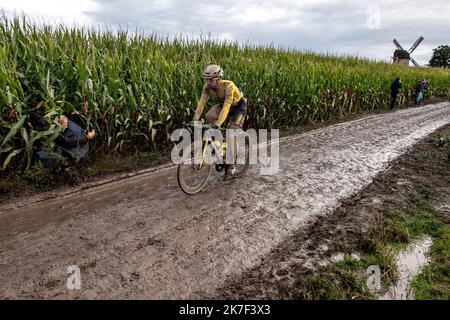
141	237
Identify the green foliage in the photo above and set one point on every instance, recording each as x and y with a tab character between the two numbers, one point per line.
444	141
434	280
441	57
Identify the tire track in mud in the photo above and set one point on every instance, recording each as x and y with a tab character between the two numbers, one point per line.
141	237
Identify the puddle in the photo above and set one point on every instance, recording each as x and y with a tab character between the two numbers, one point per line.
341	256
356	256
337	257
409	264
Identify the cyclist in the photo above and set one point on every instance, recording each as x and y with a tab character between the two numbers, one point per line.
230	102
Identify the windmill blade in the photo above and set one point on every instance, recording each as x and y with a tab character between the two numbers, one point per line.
398	45
414	46
414	62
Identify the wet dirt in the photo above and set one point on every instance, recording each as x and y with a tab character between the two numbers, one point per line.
141	237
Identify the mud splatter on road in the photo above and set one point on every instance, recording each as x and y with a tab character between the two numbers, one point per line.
141	237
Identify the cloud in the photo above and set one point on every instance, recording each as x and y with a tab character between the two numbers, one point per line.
52	11
257	13
321	25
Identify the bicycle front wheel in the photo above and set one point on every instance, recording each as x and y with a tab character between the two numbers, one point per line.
193	177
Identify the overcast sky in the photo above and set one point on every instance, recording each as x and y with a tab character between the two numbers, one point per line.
364	28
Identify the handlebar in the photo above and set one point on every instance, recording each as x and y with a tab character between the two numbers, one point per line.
203	126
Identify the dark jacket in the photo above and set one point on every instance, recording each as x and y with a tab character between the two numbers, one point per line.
395	86
73	141
38	121
420	87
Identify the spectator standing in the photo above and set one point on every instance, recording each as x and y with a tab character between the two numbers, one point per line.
395	88
419	91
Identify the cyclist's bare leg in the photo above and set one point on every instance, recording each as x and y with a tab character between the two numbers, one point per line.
213	114
236	125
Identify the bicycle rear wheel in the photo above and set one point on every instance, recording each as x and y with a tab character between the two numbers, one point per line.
192	177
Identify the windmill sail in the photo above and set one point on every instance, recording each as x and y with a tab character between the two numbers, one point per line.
414	62
397	45
414	46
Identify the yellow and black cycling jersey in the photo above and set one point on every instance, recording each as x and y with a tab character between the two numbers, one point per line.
227	93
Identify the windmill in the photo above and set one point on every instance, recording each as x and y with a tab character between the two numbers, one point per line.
402	57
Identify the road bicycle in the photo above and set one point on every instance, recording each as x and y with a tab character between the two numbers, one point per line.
193	174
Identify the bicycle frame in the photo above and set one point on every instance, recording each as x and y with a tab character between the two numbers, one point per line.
205	148
207	141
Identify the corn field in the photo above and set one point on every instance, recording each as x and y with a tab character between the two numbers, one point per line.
134	90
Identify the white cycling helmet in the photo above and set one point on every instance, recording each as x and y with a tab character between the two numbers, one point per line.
213	72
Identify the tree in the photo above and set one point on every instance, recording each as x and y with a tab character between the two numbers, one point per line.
441	57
